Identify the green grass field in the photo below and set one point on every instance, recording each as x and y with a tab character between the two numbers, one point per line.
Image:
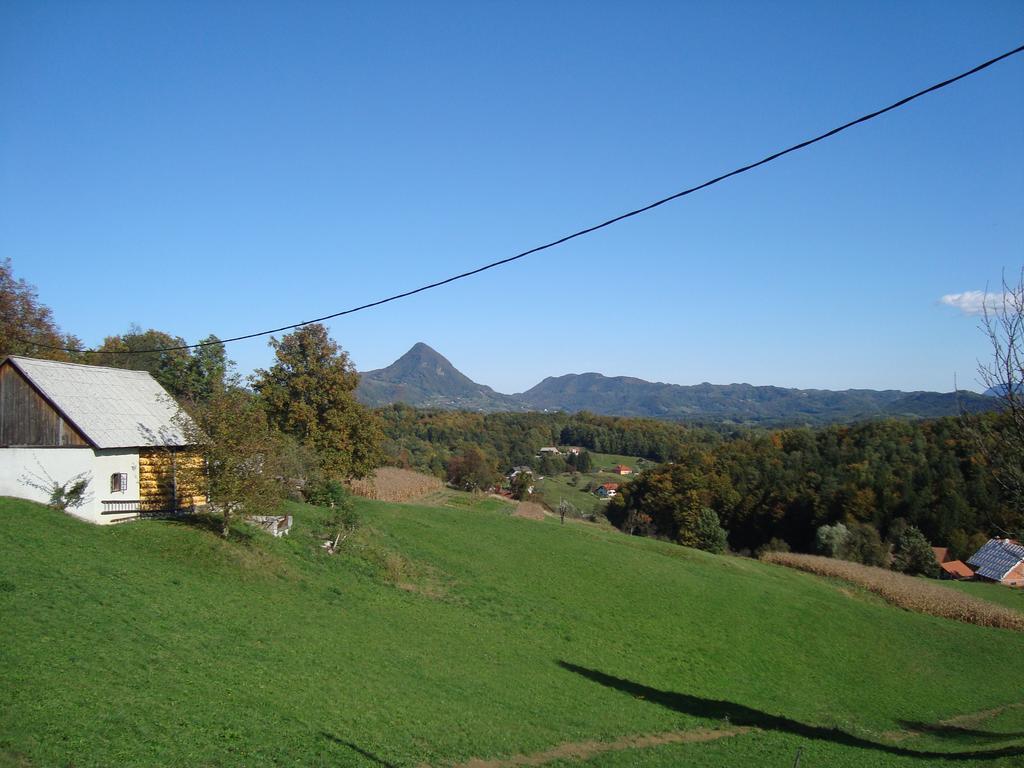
605	461
445	634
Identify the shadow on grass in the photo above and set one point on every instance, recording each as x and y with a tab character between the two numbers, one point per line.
358	750
214	523
956	732
737	714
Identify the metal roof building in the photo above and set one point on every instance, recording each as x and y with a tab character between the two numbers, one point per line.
109	407
999	560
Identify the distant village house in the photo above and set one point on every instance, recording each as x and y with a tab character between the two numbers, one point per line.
607	490
622	469
117	429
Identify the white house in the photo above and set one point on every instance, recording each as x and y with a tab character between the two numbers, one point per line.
117	429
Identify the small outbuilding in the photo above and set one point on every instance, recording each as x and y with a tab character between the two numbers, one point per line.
1000	560
955	570
117	430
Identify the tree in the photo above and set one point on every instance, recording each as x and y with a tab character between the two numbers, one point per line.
551	465
521	485
913	554
472	470
241	452
206	371
309	393
710	535
153	351
830	539
864	545
581	461
27	326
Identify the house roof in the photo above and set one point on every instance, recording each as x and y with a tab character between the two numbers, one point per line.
941	554
111	407
610	486
997	558
957	568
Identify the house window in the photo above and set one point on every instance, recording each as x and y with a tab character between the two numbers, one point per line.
119	482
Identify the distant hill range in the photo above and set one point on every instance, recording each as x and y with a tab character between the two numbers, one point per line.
424	378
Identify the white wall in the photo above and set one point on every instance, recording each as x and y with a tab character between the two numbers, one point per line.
113	460
48	465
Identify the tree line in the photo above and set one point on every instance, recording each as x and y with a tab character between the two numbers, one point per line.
767	487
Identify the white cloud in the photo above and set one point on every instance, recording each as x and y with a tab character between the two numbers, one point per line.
973	302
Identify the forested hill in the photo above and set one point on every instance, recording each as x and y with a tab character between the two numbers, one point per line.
424	378
743	403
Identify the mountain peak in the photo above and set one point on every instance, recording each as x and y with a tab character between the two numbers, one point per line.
422	362
421	351
425	377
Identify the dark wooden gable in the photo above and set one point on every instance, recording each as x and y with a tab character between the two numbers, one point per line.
29	419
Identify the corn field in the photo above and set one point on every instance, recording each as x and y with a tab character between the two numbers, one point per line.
913	594
394	484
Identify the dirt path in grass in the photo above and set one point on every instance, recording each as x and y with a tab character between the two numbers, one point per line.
531	510
582	750
977	718
967	720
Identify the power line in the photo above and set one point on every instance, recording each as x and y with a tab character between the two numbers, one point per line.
574	235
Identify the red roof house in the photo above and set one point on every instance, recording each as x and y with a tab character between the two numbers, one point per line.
955	569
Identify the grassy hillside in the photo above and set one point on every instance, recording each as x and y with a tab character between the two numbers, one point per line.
446	634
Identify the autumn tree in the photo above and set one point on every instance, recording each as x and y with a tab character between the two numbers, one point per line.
471	470
309	393
26	325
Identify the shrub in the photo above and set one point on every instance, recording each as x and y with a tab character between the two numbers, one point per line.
773	545
327	493
70	494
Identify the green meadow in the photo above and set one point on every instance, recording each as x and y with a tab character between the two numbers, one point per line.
443	634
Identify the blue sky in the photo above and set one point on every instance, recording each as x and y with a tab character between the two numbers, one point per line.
228	167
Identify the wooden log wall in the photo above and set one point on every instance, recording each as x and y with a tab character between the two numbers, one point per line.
158	468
